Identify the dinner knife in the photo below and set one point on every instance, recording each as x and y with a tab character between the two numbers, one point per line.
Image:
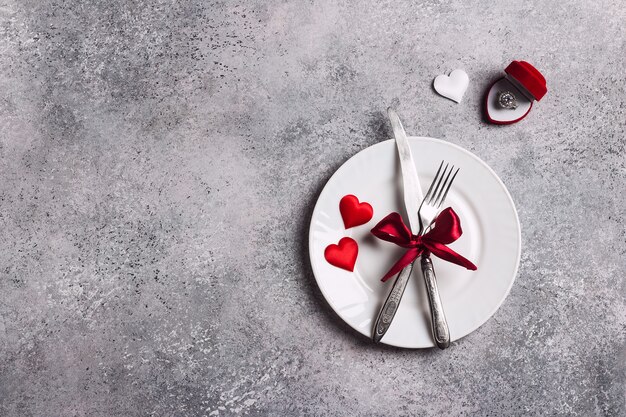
413	197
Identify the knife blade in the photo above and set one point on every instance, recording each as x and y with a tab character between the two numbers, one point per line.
413	197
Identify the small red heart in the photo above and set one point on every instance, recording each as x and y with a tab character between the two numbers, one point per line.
342	255
353	212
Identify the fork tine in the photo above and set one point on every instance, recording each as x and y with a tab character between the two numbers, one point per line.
443	187
427	196
445	194
436	190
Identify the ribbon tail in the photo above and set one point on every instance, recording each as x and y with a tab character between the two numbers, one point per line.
442	251
408	257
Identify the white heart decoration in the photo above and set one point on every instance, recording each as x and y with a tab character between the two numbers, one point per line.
452	86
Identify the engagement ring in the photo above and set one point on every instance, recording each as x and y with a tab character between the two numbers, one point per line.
507	100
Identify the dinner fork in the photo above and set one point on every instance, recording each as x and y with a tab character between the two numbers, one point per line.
427	212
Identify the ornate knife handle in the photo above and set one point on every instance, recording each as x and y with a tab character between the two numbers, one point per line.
389	309
441	333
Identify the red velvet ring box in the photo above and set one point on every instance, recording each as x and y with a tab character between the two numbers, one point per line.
525	82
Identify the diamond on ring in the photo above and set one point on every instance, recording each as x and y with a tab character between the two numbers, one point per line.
507	100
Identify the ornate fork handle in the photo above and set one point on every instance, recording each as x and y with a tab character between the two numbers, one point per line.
441	333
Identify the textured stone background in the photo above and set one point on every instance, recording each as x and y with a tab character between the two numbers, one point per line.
159	161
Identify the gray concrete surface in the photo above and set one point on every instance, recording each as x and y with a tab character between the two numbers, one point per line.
159	161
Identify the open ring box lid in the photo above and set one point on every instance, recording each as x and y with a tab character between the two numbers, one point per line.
525	82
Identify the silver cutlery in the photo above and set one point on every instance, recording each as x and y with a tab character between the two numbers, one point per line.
412	198
427	213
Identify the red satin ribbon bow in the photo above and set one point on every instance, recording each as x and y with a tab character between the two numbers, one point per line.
446	230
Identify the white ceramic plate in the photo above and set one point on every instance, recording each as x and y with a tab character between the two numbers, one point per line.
491	239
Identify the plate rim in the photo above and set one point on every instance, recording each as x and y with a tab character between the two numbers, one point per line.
470	154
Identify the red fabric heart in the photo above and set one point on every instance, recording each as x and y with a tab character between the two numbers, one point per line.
354	213
342	255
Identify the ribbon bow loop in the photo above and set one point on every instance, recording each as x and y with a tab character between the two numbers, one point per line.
446	229
392	229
